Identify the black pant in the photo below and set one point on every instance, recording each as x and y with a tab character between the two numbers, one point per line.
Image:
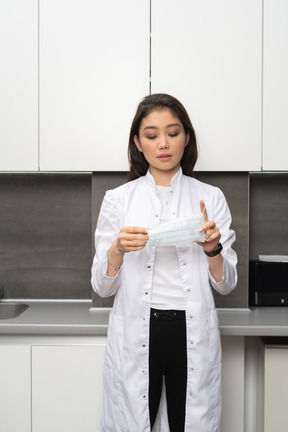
168	358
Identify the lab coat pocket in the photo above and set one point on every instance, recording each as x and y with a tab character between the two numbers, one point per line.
214	338
114	345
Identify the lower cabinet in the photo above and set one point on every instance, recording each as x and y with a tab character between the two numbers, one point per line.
48	388
67	388
276	388
15	388
57	386
233	378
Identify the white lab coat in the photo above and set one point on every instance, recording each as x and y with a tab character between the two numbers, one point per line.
126	374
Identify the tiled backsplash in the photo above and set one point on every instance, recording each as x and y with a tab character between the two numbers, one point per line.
45	235
268	214
47	224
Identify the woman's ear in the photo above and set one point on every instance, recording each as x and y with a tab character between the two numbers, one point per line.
137	143
187	138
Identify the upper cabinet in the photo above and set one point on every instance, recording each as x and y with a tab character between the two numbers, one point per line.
19	85
275	85
73	72
94	68
208	54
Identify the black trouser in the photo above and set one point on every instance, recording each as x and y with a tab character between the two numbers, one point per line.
168	358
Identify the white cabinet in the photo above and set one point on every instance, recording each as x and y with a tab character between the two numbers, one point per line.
233	370
19	85
15	389
67	388
275	85
60	385
94	69
276	389
208	54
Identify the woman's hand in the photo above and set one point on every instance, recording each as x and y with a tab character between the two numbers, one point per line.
212	237
212	233
130	239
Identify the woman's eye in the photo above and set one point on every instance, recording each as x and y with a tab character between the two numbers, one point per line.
151	137
173	134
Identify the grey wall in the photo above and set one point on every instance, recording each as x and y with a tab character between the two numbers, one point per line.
268	214
45	235
235	187
47	224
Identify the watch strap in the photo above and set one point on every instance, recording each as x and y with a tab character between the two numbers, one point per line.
215	252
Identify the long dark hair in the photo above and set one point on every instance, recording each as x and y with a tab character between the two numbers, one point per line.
155	102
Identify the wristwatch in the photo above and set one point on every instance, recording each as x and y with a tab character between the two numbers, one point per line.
215	252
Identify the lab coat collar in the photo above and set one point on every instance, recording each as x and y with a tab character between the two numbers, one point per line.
175	182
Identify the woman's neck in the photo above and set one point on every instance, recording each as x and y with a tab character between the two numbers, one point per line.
163	178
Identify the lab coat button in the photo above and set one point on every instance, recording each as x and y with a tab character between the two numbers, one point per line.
146	292
143	345
148	266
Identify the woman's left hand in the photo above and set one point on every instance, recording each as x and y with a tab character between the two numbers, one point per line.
212	233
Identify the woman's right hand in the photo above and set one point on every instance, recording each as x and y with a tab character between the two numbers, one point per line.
130	239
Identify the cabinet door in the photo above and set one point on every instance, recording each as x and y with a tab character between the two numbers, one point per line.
276	389
233	384
15	389
208	54
19	85
275	85
94	69
67	388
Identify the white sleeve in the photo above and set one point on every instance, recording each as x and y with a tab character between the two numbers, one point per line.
222	218
107	230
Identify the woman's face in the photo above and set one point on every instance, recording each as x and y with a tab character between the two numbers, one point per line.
162	139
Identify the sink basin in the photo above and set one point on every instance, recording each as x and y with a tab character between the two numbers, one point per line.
10	310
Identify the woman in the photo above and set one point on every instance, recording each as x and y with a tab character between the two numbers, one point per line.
163	353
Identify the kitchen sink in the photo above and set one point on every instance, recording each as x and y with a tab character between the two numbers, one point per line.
10	310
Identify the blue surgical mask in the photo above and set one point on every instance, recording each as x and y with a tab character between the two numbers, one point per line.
178	232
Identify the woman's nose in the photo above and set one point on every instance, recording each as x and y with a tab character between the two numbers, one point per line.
163	143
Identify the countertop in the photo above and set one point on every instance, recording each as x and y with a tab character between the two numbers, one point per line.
77	317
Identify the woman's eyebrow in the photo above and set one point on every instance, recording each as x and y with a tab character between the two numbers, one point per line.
169	125
150	127
173	124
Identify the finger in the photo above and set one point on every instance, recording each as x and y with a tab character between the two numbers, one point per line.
126	237
209	225
134	230
203	209
132	247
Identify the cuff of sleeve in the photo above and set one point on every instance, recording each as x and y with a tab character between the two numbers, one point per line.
112	278
223	287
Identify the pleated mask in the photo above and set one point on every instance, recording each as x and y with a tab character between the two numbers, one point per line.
178	232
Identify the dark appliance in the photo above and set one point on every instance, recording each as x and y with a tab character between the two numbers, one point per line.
268	283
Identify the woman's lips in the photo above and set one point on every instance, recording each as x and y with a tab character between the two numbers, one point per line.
164	157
